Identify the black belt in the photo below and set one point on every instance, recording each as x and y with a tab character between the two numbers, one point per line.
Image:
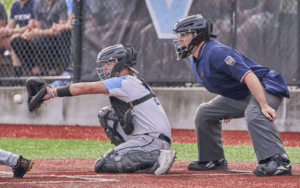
162	137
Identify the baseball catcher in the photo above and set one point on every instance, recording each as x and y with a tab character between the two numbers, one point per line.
135	122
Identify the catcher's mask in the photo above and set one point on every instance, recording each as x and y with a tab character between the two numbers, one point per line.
113	59
191	31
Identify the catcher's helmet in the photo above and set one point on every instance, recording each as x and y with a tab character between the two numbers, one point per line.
201	28
123	56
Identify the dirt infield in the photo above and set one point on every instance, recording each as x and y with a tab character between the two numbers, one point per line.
96	133
80	173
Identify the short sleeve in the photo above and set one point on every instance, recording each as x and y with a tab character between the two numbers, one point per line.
3	15
36	12
70	6
231	63
117	88
13	11
64	11
31	10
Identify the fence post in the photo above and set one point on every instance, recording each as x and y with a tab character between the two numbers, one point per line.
298	46
77	38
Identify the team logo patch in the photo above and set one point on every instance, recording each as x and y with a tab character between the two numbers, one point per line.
230	61
156	101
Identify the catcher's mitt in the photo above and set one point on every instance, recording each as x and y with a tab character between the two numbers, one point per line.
36	88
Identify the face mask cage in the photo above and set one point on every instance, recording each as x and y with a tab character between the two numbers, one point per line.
104	68
182	42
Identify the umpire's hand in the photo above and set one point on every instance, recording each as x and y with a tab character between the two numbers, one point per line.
269	112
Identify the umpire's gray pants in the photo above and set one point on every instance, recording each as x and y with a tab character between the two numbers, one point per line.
263	132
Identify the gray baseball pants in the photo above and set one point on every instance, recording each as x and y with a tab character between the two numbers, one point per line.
263	132
146	143
8	158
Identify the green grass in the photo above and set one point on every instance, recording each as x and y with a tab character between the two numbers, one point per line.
56	148
189	152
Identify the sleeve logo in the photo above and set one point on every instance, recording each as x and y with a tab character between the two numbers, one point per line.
156	101
230	61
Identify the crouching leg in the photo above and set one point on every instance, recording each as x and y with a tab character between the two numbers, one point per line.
159	161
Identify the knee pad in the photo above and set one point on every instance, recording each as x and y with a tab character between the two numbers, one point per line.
107	114
133	161
130	162
99	163
106	164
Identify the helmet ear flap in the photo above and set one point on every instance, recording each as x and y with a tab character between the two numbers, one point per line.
132	55
209	28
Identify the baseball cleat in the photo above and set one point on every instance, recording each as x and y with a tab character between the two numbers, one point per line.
164	162
277	166
24	165
211	165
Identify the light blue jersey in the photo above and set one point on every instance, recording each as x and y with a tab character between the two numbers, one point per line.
149	116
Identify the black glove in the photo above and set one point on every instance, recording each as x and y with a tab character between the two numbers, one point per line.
36	88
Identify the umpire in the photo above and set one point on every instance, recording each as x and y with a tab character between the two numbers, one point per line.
245	89
136	123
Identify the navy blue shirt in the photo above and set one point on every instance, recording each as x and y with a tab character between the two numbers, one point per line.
20	14
221	70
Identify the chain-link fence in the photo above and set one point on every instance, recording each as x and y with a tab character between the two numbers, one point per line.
264	30
35	40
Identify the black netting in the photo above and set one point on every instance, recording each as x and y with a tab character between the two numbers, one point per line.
264	30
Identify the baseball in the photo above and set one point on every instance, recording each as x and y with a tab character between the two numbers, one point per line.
18	99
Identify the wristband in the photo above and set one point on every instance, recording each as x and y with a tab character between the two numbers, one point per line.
51	93
64	91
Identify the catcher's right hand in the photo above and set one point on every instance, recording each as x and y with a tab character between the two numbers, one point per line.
36	88
47	96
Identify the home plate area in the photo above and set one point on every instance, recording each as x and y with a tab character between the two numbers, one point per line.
37	178
55	179
80	173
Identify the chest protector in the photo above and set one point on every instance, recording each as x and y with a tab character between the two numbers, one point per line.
124	110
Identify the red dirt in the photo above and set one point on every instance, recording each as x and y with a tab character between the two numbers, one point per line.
96	133
80	173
